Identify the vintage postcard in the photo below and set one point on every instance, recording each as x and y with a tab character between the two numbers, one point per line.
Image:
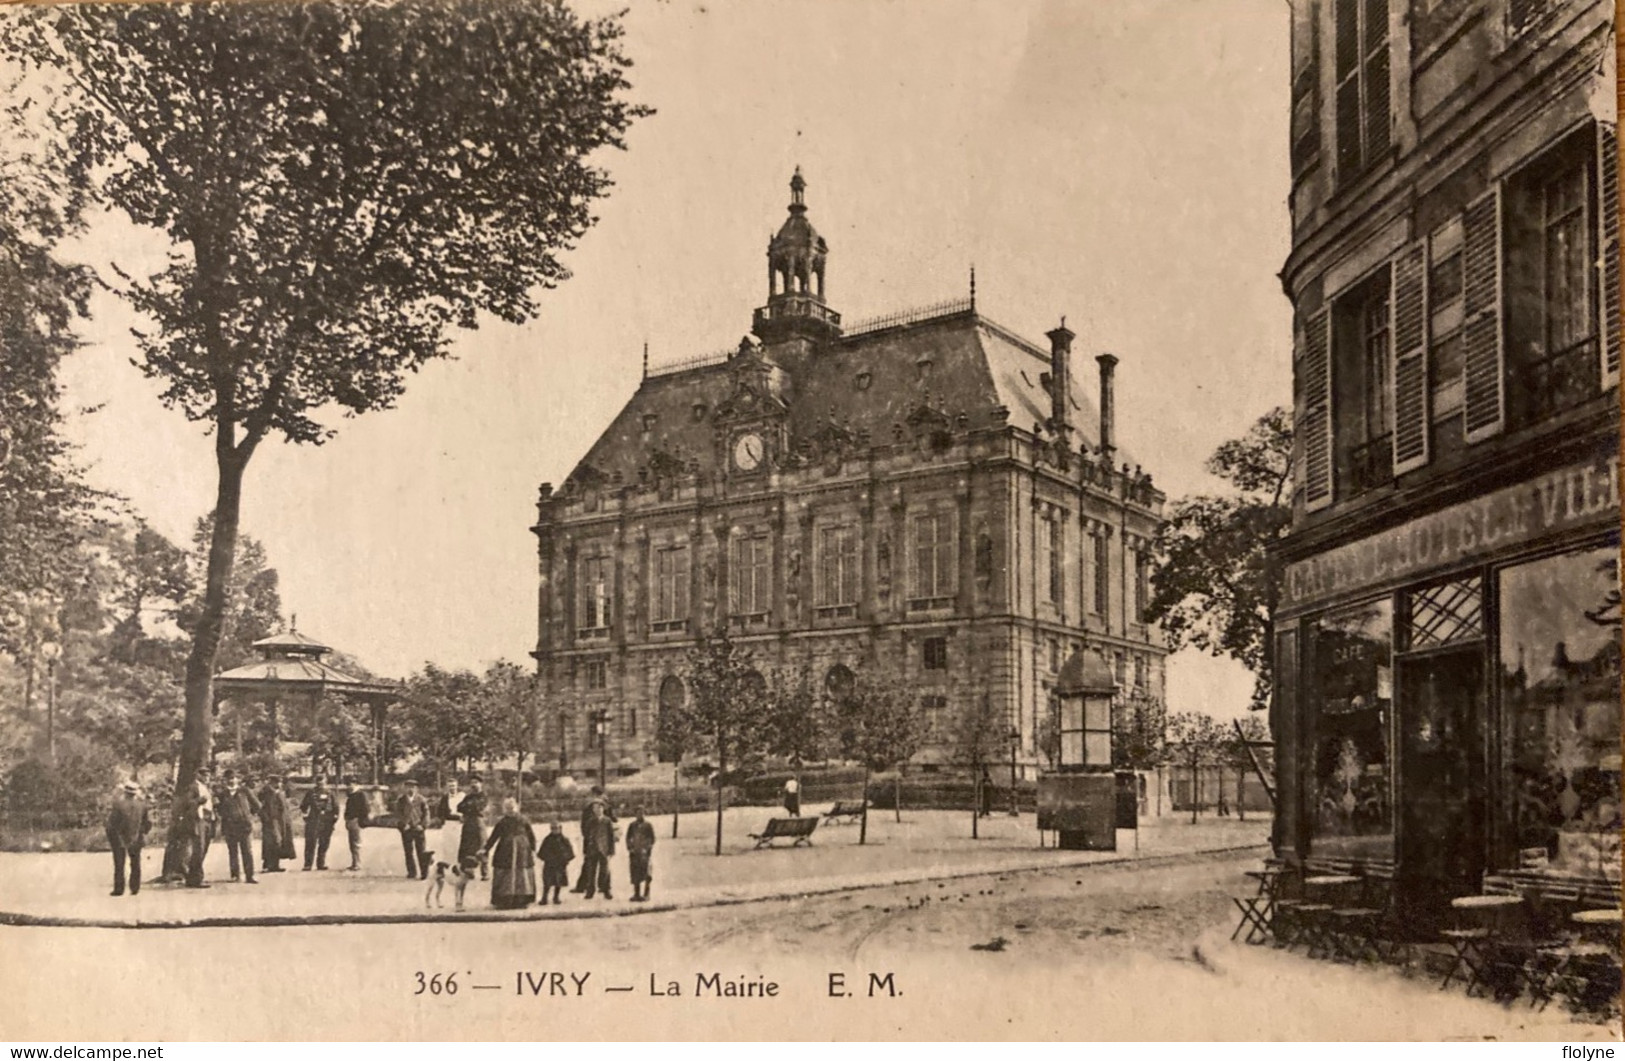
1037	519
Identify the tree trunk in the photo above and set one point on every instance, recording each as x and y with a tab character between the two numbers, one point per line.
976	802
676	794
196	738
722	767
897	796
1196	790
1241	804
863	822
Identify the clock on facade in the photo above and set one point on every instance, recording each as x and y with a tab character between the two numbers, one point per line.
748	451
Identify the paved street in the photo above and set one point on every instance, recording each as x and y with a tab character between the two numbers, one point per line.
1103	951
686	872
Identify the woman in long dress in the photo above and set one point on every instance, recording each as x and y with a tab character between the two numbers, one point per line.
513	864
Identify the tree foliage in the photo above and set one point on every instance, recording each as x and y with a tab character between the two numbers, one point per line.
341	183
799	727
882	726
1218	583
1195	741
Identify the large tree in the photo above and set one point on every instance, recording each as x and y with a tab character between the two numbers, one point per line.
1219	582
341	183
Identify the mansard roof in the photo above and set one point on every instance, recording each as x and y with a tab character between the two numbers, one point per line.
959	366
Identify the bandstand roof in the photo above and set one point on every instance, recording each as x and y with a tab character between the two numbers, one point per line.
293	667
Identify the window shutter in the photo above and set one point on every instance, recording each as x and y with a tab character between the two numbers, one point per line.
1410	345
1608	258
1482	337
1317	411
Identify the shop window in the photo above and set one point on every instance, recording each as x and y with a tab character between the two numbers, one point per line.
1559	673
1349	804
1446	613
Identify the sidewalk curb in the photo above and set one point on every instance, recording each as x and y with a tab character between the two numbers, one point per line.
21	920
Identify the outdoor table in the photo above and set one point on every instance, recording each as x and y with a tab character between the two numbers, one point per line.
1258	912
1485	916
1587	971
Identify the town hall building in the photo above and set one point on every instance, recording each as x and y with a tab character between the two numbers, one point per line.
927	495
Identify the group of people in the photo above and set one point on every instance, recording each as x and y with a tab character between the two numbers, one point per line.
506	854
230	814
509	853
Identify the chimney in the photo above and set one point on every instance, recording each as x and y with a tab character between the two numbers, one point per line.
1060	381
1108	407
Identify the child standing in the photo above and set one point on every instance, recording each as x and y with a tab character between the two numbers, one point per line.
556	855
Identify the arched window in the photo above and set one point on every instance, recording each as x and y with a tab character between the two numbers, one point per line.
670	699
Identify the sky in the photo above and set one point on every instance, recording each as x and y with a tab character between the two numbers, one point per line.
1122	163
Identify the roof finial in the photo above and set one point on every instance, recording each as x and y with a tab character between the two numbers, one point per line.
973	285
645	359
798	185
293	623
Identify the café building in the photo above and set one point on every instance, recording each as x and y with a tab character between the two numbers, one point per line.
1447	640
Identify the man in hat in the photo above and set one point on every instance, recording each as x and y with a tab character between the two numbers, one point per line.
640	844
274	832
412	817
356	816
596	799
321	811
199	824
238	809
127	825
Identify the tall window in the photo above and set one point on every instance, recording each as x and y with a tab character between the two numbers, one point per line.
750	575
1049	534
594	593
1142	585
1362	84
837	566
1551	322
671	585
1103	575
1566	259
597	674
933	556
1142	672
934	652
1362	343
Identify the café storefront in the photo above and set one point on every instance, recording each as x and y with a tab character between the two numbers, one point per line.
1448	699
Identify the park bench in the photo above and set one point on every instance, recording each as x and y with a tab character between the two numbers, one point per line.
848	810
798	830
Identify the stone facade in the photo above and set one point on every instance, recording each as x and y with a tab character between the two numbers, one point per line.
914	494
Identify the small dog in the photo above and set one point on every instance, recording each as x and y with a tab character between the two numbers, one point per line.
459	874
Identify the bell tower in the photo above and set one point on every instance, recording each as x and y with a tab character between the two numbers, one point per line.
795	279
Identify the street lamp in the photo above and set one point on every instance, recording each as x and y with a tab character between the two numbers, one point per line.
52	652
1015	739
